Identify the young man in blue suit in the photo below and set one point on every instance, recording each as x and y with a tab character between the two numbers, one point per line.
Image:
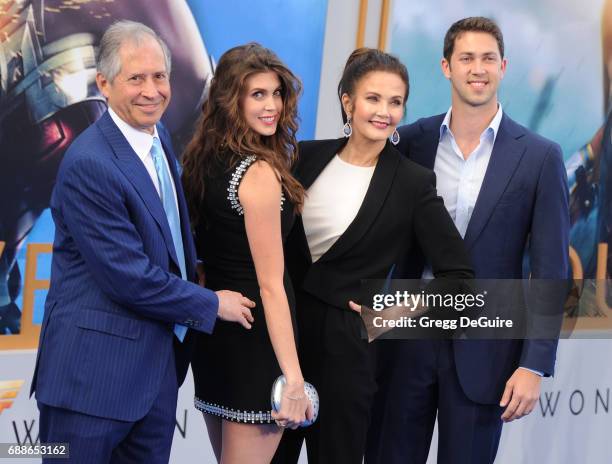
112	346
506	190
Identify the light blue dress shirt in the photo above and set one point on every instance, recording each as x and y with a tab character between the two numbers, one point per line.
459	179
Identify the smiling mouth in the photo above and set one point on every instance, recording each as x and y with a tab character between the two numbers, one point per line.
149	106
268	120
380	124
478	84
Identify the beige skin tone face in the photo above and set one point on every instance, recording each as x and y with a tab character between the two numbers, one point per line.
475	70
377	106
140	93
262	102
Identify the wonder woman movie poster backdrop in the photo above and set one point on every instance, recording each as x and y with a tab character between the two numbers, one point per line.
48	97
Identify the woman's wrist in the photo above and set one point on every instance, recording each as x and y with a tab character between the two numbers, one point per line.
294	390
294	380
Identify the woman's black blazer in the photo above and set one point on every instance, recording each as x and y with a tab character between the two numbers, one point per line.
400	213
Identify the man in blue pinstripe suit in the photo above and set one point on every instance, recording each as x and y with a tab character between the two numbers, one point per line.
112	346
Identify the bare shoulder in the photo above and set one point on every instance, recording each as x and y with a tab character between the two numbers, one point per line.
261	171
260	183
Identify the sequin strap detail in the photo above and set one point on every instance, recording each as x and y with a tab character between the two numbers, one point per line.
232	190
235	182
235	415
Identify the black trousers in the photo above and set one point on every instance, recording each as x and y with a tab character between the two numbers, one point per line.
341	365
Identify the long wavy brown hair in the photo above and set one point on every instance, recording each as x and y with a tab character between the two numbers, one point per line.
222	131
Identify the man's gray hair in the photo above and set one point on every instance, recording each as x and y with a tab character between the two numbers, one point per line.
108	60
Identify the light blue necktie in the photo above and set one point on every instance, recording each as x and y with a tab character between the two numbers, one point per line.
174	221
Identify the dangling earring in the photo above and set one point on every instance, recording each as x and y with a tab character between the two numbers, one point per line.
395	138
347	130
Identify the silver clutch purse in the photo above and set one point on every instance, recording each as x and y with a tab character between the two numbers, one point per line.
309	391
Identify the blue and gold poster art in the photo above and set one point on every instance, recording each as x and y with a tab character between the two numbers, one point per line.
48	97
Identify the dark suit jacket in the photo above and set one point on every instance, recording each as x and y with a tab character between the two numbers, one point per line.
523	202
107	334
400	212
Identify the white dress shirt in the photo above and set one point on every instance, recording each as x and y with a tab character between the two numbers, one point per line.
141	142
332	202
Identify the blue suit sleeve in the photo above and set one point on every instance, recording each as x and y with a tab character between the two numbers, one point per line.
91	197
549	261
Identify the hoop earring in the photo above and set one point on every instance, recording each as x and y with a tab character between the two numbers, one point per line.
395	137
347	129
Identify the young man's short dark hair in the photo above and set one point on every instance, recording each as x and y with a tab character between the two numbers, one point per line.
472	24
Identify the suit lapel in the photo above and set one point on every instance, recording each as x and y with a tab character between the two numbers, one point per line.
136	173
309	167
505	157
372	203
425	148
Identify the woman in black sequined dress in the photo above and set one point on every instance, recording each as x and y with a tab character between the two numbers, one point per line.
242	198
